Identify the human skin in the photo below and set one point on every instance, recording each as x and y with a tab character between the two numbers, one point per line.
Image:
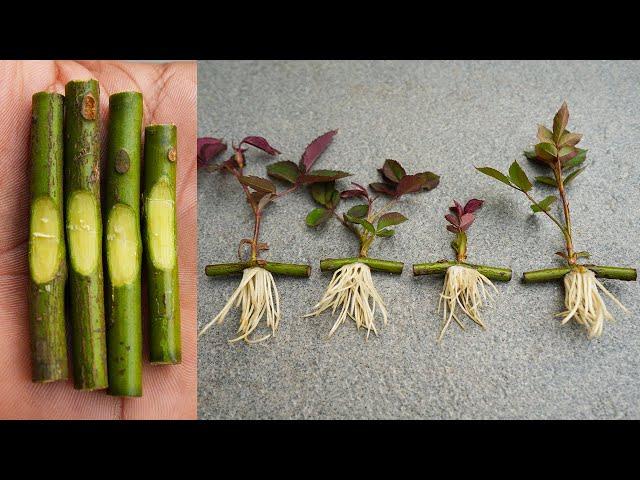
169	90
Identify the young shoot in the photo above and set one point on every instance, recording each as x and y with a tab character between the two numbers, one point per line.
557	151
465	285
351	290
257	295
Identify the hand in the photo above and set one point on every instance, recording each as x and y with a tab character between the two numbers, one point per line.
169	92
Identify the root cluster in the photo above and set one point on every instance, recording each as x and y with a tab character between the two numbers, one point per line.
351	289
583	302
467	288
257	295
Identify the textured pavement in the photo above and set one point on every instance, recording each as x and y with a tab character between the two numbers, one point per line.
445	117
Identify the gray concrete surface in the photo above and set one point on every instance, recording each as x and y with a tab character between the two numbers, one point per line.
445	117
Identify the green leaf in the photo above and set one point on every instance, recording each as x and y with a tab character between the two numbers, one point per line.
566	153
316	176
569	139
334	201
287	171
577	160
569	178
547	181
361	221
492	172
544	134
544	204
393	170
560	121
358	211
317	216
323	193
389	219
455	244
370	228
257	183
431	180
531	155
519	178
546	151
385	233
582	254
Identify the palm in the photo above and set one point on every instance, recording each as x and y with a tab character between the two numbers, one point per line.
169	94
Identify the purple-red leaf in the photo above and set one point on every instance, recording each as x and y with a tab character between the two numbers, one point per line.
316	176
261	143
384	188
457	209
208	149
410	184
259	184
453	229
452	219
466	220
359	191
229	164
315	149
353	193
473	205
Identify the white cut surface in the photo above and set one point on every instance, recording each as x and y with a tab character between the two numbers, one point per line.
82	229
123	241
161	225
45	240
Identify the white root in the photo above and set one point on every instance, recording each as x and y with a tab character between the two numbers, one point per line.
467	288
583	301
257	295
352	289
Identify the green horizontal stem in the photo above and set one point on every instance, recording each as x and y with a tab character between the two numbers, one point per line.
550	274
287	269
331	264
440	268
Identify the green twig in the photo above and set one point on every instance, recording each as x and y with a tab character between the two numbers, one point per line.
47	265
123	244
550	274
440	268
331	264
84	233
161	244
286	269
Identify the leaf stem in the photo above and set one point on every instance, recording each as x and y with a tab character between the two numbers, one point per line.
346	224
557	171
379	213
256	235
366	237
554	219
287	191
